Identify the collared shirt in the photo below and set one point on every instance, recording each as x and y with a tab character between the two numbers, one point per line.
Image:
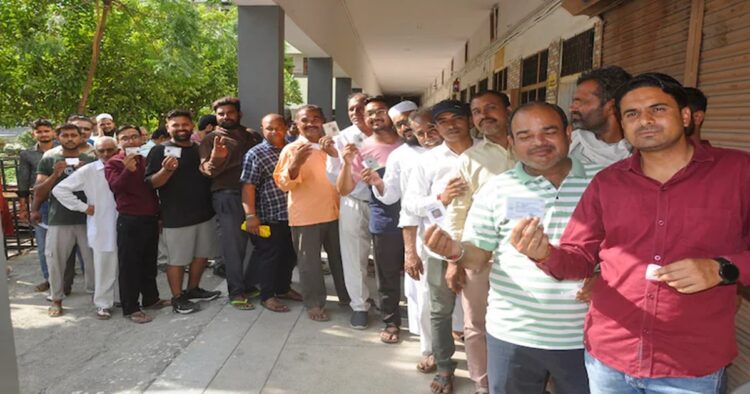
133	195
27	165
426	181
226	174
399	164
590	150
101	228
478	164
333	164
311	197
626	221
527	307
257	168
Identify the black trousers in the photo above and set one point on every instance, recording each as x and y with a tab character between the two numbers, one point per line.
389	262
273	260
137	249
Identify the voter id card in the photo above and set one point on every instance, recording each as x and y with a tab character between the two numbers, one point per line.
72	161
355	139
650	269
132	151
174	151
436	214
331	129
524	207
371	163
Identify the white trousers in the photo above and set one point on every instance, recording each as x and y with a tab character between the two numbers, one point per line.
105	272
354	233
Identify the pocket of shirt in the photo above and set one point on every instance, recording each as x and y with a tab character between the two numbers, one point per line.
712	232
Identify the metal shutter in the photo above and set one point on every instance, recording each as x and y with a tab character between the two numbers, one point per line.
724	73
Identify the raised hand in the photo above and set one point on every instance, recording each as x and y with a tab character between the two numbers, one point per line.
529	239
456	187
220	150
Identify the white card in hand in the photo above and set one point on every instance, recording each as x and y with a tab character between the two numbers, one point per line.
523	207
371	163
436	213
331	129
132	151
174	151
650	269
356	139
72	161
315	146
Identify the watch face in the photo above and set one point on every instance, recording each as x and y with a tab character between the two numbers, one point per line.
729	272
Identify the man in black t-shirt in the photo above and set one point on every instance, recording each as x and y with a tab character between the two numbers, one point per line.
186	211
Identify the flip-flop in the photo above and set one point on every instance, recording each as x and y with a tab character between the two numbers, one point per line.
55	310
425	366
278	307
140	317
103	313
321	317
390	334
242	304
159	305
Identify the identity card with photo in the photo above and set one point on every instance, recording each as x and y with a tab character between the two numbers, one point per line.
371	163
436	214
132	151
331	128
523	207
174	151
72	161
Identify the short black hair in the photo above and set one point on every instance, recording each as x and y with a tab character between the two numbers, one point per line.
312	107
67	126
502	96
226	100
175	113
560	112
377	99
206	120
160	132
608	79
697	101
40	122
666	83
126	127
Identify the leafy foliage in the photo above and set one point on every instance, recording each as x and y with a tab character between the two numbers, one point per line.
155	56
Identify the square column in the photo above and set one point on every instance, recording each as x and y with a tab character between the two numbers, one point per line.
343	90
260	55
320	83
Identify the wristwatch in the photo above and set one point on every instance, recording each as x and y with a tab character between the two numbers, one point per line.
728	272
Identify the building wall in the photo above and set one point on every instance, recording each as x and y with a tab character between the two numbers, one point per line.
524	28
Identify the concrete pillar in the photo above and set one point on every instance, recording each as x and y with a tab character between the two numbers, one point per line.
8	366
320	83
260	55
343	90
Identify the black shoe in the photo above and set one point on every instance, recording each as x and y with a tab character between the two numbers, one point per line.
183	306
198	294
220	271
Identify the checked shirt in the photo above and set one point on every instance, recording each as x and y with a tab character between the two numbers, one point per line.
257	168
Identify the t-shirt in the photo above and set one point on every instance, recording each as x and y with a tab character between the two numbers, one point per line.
383	218
58	214
185	199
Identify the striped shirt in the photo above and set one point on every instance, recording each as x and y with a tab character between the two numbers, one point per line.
526	306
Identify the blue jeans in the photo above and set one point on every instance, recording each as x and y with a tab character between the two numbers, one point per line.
606	380
40	233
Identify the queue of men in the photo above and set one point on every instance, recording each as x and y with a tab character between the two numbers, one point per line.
597	254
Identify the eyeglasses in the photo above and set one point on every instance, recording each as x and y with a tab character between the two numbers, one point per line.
126	138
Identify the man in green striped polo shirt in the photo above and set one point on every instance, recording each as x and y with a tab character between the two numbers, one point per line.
534	322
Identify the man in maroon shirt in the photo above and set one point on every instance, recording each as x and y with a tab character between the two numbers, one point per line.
137	226
670	228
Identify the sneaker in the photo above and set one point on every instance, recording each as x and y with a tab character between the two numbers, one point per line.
358	320
183	306
198	294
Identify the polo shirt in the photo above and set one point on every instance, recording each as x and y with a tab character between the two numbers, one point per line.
526	306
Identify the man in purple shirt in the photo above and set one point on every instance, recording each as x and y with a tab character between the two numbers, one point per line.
137	226
670	228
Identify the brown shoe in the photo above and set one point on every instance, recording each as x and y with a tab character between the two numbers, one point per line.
42	287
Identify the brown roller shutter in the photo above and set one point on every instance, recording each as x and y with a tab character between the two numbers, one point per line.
647	35
724	73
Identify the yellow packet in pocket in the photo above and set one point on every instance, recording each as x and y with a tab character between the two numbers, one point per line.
264	231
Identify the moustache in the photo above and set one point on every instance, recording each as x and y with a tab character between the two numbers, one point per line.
542	149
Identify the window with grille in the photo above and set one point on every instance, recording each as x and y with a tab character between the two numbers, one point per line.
534	77
463	96
500	80
483	85
578	53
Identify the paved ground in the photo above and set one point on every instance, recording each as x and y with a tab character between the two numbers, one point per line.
218	350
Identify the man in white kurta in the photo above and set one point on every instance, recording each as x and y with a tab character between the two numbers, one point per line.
101	221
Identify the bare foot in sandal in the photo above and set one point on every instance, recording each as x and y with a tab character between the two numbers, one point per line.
317	314
273	304
390	334
140	317
442	383
427	364
291	295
